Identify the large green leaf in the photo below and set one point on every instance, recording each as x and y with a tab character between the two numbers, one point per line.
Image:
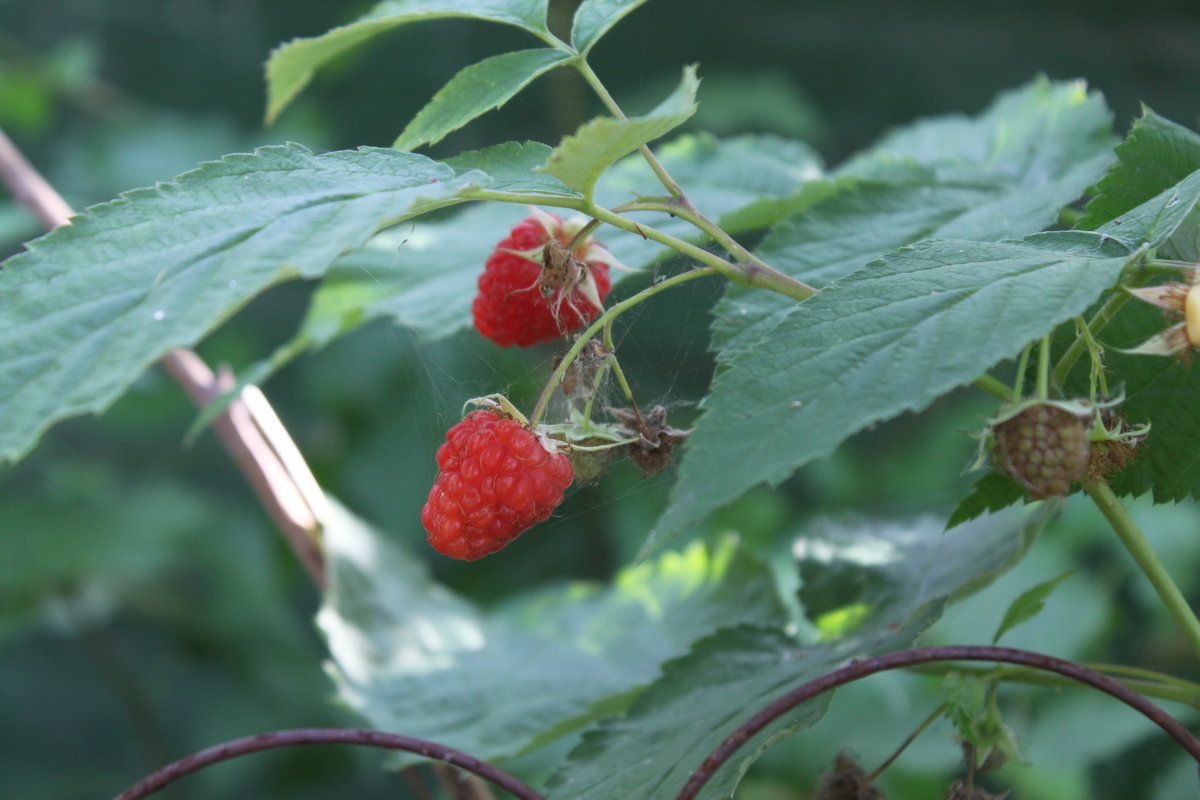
583	156
93	304
889	338
417	660
594	18
1157	154
1003	174
475	90
900	575
293	64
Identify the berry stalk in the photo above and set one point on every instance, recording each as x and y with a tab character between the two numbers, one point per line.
604	319
1135	542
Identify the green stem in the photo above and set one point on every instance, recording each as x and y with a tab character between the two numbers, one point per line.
1135	542
1103	316
1033	677
598	87
1022	367
744	274
1043	373
1147	675
616	365
994	387
608	316
912	737
680	207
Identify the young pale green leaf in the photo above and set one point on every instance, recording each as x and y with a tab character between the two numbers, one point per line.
992	492
1028	605
702	697
1157	154
412	657
1001	175
966	697
582	157
594	18
93	304
293	64
476	90
890	338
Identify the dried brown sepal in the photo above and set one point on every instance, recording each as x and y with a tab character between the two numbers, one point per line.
1108	458
1044	448
656	440
846	781
959	791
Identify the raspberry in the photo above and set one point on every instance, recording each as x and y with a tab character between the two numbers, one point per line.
1044	448
522	301
496	481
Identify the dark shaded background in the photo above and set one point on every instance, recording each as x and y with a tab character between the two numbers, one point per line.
146	607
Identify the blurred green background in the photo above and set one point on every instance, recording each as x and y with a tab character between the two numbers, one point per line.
147	608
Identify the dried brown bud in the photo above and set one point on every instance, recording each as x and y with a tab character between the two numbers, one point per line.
655	439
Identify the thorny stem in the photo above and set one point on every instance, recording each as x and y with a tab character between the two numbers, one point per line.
912	737
604	319
744	274
856	670
1135	542
601	91
308	736
255	440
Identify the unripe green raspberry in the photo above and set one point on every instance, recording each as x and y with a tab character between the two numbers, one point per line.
1044	448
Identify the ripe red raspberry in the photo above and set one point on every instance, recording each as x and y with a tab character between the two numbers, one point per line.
496	481
523	301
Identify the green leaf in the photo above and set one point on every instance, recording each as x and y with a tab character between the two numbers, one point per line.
1161	391
413	658
890	338
966	697
594	18
293	64
1003	174
90	306
903	567
476	90
511	166
582	157
1157	221
704	696
1028	605
992	492
1157	154
76	542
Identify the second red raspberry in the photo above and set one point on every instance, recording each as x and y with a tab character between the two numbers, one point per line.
511	307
